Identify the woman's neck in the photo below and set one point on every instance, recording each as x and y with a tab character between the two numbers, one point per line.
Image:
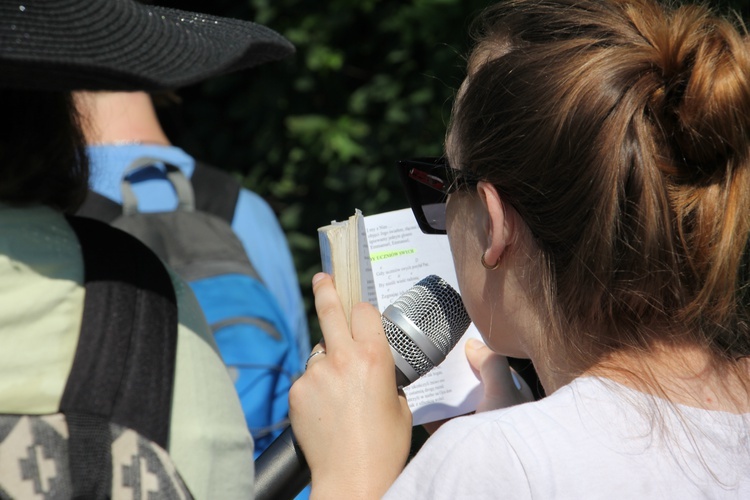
682	375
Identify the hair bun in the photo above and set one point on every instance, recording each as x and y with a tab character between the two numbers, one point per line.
706	96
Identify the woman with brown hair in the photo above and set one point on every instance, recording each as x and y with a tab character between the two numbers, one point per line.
599	216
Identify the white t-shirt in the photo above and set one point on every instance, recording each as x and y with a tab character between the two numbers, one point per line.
591	439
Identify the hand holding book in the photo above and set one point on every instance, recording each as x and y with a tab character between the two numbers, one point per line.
376	259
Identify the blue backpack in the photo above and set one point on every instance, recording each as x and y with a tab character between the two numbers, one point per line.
196	240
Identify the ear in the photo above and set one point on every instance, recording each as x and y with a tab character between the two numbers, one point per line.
498	223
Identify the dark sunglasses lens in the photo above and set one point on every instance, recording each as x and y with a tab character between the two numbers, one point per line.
429	195
435	215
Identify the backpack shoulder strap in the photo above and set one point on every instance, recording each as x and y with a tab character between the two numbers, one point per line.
216	192
99	207
127	344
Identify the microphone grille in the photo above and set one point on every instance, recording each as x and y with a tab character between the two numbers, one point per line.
436	309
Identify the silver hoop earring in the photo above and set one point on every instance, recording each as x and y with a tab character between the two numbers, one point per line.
487	266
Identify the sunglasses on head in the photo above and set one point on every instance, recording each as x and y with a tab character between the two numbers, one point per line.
428	182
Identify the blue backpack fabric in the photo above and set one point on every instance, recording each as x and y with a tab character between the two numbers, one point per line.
196	240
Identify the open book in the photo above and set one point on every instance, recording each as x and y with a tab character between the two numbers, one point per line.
376	259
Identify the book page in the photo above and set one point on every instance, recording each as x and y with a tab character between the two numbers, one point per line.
400	256
367	283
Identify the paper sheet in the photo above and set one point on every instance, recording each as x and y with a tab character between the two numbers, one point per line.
401	255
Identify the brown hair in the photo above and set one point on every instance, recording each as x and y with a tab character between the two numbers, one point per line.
42	150
619	131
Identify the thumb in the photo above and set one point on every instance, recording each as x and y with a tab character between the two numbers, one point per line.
502	387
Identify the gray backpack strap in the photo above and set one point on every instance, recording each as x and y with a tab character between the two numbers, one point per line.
216	191
195	245
180	183
99	207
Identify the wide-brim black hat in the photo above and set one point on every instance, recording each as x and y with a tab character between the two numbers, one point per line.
123	45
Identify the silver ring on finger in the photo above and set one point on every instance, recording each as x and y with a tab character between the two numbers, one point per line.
312	355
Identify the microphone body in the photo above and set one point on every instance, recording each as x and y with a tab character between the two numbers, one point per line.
422	326
281	471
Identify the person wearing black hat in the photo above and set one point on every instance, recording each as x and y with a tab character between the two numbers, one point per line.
47	50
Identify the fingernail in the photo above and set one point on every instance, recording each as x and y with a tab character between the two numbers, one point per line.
318	277
474	344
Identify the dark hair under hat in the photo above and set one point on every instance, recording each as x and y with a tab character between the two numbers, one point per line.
123	45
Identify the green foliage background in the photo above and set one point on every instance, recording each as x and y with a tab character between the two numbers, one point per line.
317	134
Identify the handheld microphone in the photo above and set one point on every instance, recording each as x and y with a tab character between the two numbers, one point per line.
422	326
